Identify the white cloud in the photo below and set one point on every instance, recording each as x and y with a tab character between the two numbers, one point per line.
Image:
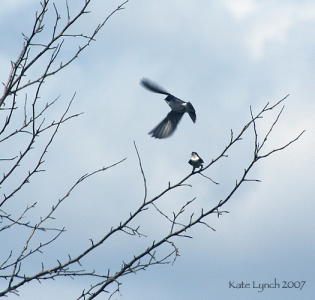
241	8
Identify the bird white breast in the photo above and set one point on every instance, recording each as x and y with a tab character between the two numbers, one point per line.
178	106
194	157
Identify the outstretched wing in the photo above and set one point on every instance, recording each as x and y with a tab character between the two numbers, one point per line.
153	87
191	111
167	126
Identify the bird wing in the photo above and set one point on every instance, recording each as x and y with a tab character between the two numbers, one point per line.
167	126
191	111
153	87
191	162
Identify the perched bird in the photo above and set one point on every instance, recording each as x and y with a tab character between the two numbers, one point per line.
196	161
179	107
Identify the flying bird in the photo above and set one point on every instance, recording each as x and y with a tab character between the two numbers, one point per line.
196	161
179	107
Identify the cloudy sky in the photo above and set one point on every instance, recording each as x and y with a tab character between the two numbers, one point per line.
223	57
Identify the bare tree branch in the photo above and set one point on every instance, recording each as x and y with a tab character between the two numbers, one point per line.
33	122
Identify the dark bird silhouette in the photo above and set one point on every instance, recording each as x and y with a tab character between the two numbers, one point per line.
179	107
196	161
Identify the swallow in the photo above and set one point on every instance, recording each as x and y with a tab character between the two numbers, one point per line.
179	107
196	161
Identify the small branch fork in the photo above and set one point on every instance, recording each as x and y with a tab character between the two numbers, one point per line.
40	161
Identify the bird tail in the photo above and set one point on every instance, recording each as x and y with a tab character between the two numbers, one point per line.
153	87
191	111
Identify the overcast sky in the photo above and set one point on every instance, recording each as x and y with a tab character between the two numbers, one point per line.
223	57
